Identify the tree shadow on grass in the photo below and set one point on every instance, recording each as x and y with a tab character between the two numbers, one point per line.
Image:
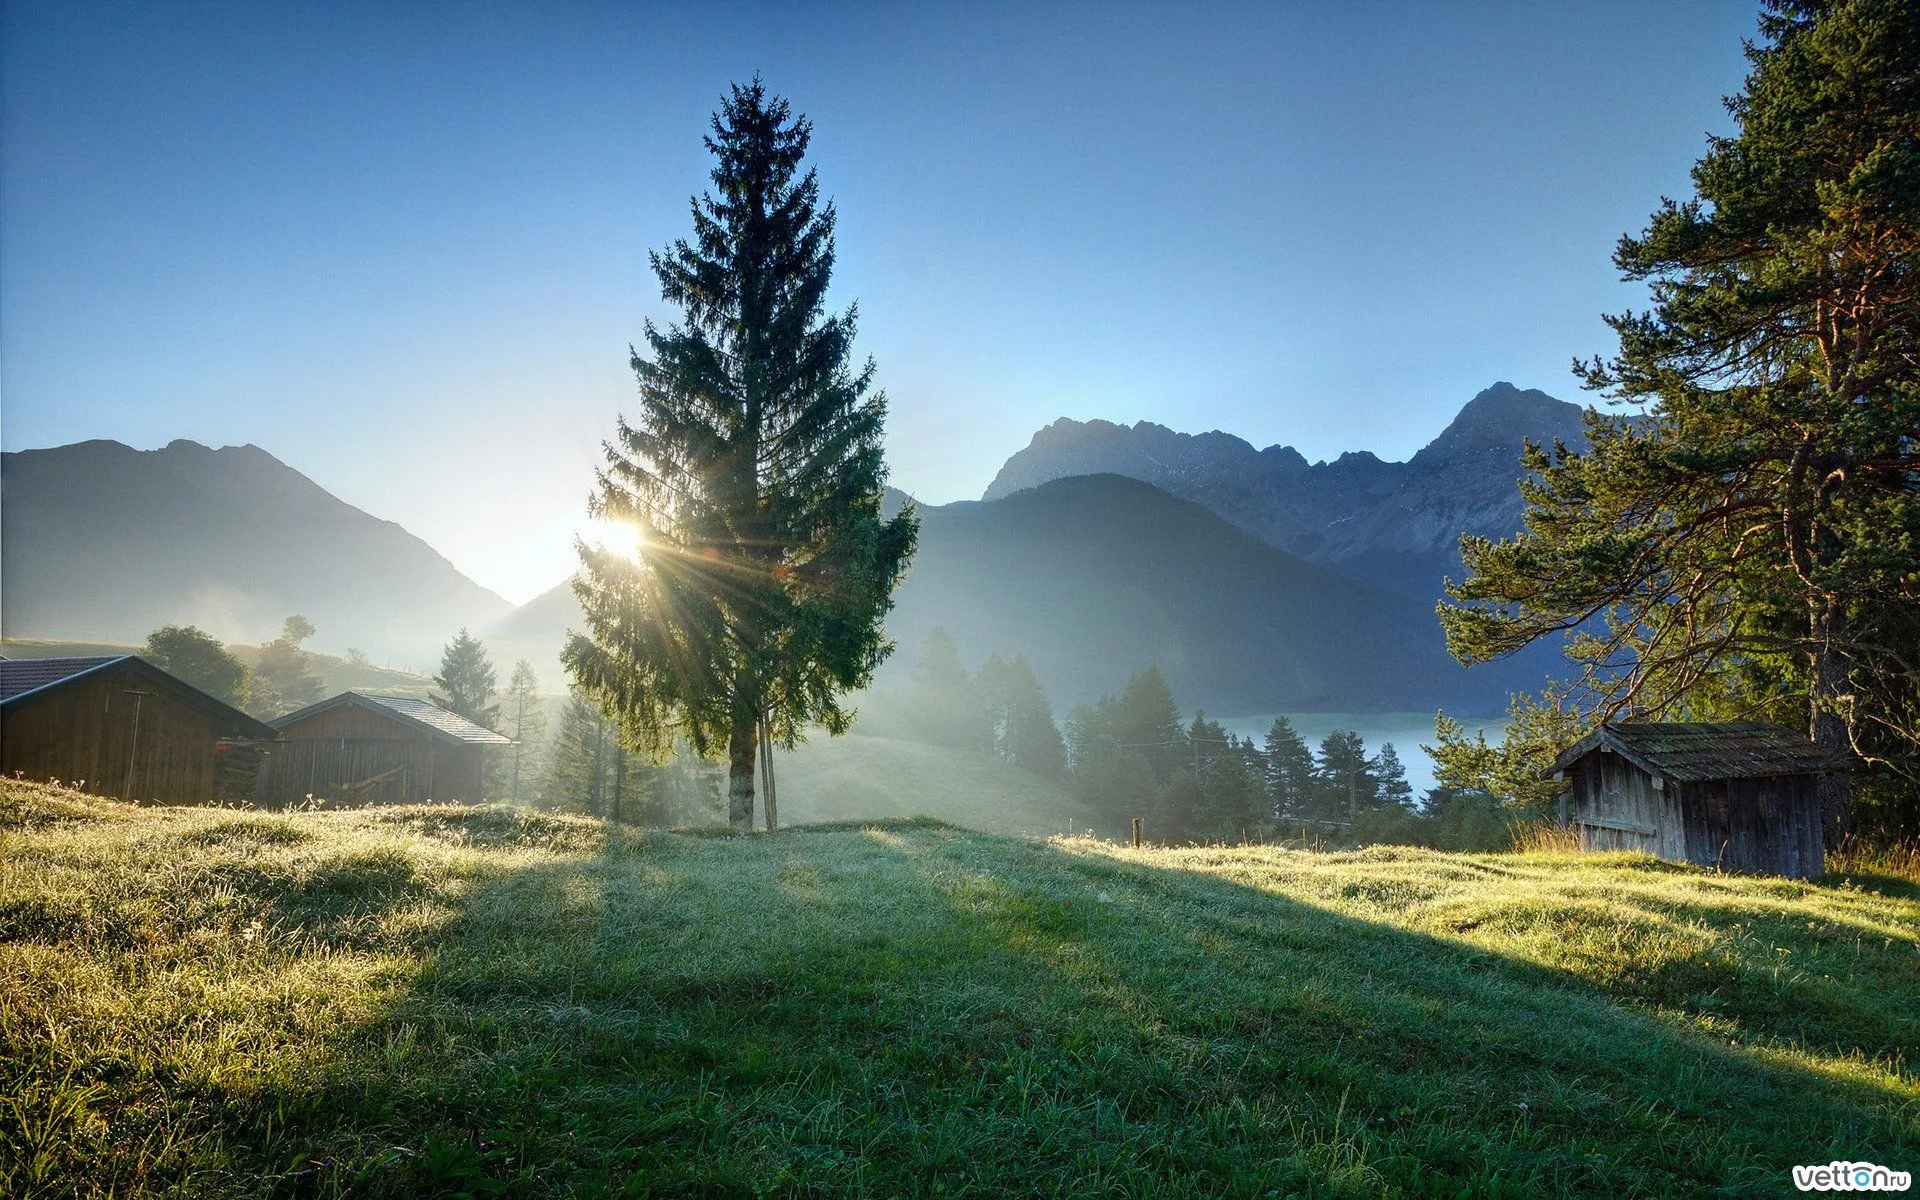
907	1008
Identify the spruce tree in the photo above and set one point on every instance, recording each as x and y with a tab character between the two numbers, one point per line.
1146	720
466	681
523	717
753	475
1344	782
943	701
1020	726
1394	790
1288	770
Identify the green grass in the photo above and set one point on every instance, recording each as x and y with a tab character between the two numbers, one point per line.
495	1002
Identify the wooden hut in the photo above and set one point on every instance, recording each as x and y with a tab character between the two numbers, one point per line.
1741	796
358	749
116	725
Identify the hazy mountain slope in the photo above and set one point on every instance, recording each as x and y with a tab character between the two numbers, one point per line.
101	541
1397	524
1095	577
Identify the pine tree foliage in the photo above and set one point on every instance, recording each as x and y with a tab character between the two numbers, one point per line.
1394	790
753	475
1020	726
1750	546
1344	781
942	701
194	656
1287	770
523	717
466	682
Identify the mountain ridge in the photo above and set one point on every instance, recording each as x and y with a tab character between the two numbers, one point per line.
1394	523
100	540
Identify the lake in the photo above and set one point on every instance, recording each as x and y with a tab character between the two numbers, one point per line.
1407	731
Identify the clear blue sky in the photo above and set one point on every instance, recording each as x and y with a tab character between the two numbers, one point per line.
404	247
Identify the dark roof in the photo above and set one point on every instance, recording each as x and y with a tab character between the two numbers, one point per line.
1689	753
18	676
27	679
429	718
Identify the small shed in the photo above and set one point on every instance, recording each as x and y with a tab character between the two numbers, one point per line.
116	725
360	749
1741	796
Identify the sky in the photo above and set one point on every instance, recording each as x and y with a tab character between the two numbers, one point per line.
403	247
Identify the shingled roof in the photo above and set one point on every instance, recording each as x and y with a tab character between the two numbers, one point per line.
1689	753
18	676
28	680
430	718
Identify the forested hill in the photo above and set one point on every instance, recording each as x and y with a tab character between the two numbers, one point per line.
1393	523
1095	577
102	541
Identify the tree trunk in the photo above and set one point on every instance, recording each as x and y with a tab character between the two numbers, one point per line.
1828	681
766	770
741	746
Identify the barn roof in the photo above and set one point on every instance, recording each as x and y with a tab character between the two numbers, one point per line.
25	679
427	717
18	676
1689	753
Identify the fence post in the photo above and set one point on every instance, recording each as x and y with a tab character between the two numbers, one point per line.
1136	833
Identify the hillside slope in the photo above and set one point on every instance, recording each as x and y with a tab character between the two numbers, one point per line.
405	1002
102	542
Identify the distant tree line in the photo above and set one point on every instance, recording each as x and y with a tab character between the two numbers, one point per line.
1136	755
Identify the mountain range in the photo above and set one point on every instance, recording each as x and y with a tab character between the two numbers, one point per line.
102	542
1393	523
1094	577
1256	580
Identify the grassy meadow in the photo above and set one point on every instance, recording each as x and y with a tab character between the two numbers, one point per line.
494	1002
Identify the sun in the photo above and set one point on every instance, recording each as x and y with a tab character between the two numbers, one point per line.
617	536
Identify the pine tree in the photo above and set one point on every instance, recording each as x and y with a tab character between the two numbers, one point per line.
1020	726
1746	547
1345	784
1288	770
753	476
194	656
1113	781
523	717
1394	790
466	681
943	701
1147	720
283	676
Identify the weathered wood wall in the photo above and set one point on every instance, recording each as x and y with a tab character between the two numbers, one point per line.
86	735
1768	824
1617	807
353	755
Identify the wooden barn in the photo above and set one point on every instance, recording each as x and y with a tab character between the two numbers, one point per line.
119	726
357	749
1741	796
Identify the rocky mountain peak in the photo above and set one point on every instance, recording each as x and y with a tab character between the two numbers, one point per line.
1500	418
